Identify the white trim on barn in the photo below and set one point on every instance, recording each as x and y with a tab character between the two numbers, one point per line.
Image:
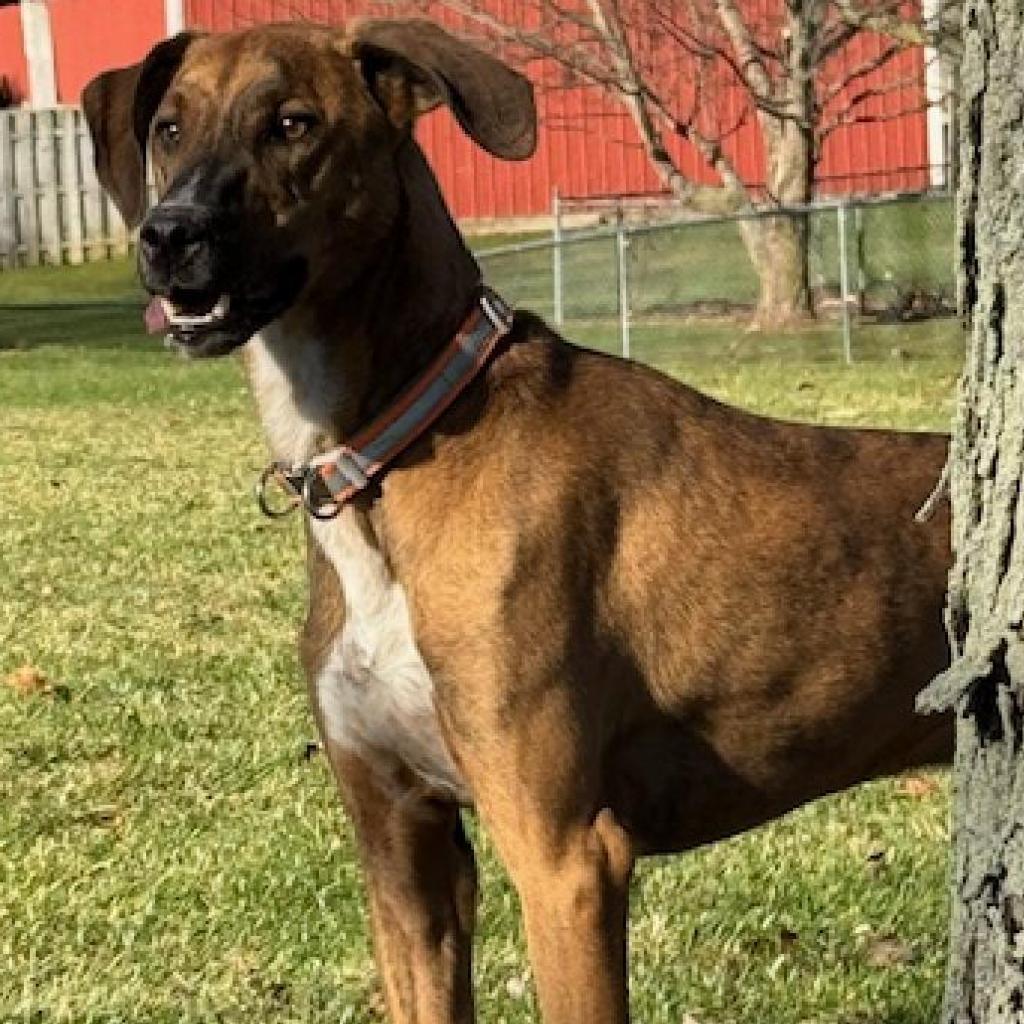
937	91
37	38
174	16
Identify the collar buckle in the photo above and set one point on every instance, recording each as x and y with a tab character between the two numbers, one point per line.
341	470
318	508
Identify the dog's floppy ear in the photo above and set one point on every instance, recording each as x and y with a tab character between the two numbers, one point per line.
412	66
119	106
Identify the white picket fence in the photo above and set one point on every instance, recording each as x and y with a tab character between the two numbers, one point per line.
52	208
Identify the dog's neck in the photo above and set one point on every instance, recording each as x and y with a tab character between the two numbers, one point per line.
339	359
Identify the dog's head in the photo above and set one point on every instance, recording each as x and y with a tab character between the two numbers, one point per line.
275	154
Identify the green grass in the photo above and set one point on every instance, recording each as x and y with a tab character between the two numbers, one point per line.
167	854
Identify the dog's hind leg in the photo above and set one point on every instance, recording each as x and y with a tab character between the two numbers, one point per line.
420	877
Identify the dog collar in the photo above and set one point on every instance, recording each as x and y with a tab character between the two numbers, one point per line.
326	483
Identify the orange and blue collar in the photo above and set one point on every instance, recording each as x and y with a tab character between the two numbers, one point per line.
325	484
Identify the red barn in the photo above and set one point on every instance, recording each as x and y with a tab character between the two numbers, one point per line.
50	48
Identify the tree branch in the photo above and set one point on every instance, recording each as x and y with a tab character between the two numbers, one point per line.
847	118
703	50
861	71
940	32
747	55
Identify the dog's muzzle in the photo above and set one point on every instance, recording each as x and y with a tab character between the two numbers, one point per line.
209	296
177	253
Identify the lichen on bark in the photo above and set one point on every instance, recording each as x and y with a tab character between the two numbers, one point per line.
985	610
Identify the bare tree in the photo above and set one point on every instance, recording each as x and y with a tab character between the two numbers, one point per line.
671	63
985	612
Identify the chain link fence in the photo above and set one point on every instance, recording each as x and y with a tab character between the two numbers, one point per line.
668	293
640	288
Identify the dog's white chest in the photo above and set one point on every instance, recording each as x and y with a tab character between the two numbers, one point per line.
374	691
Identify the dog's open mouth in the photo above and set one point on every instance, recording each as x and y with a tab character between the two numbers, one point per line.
165	315
200	328
217	324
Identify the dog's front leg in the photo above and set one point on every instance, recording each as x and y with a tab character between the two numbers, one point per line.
575	907
571	868
421	881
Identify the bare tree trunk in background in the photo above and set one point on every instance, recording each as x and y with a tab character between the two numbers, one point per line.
670	63
985	684
778	246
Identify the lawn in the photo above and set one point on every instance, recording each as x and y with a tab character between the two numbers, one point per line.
169	852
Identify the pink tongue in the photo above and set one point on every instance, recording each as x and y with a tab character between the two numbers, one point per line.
156	318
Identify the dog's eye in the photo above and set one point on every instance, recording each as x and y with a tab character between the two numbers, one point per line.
168	131
292	127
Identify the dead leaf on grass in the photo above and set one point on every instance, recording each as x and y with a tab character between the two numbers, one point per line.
518	986
916	786
28	681
889	951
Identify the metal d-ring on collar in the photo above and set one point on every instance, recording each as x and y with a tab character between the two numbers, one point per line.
288	484
297	488
343	472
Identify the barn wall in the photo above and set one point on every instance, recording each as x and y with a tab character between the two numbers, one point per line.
12	50
887	150
89	37
587	143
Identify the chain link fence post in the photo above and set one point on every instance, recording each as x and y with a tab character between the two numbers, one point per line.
558	313
622	273
844	283
858	252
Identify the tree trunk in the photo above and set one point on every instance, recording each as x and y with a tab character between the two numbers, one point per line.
777	247
985	615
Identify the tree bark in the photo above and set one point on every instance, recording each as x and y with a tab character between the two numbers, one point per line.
985	611
777	247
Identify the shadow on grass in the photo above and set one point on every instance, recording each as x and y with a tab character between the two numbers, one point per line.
909	1015
93	325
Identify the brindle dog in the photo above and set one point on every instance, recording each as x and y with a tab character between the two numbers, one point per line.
614	616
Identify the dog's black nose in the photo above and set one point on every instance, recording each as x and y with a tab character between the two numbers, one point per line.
176	249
